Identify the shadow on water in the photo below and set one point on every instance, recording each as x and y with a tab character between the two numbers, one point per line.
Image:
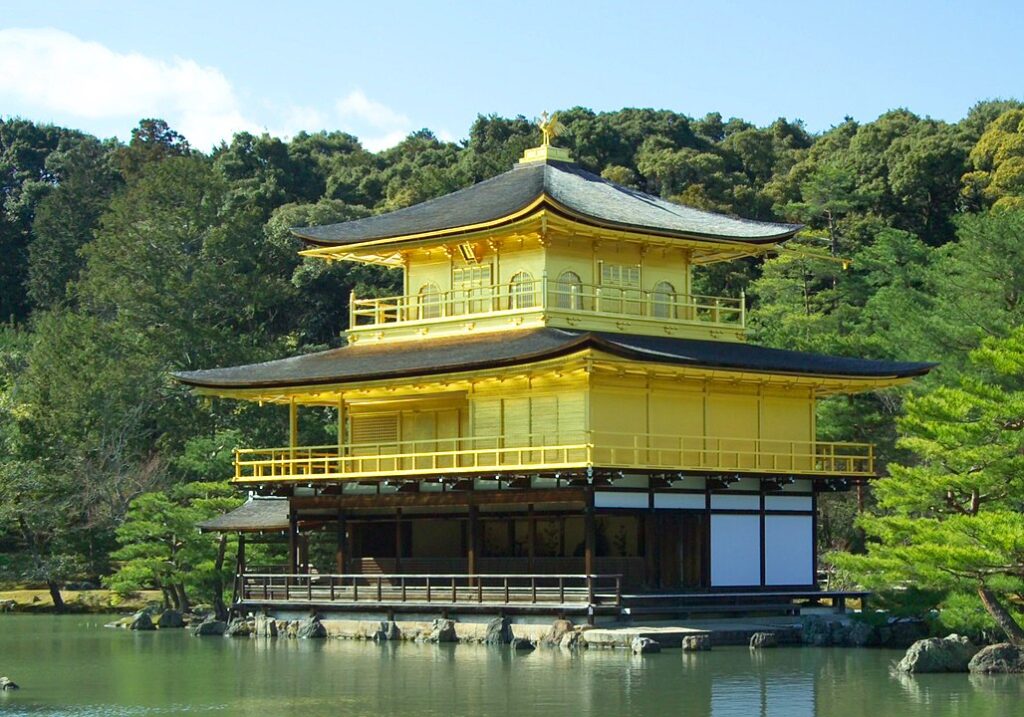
73	666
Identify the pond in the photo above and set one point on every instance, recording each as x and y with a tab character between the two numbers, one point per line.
74	666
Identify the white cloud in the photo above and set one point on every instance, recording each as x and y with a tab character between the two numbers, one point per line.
47	72
358	108
54	71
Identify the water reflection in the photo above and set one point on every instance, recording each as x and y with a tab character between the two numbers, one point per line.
70	667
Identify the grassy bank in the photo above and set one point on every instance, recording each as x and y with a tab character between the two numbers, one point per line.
33	600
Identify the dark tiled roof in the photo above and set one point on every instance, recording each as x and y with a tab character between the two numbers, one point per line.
363	362
577	190
257	515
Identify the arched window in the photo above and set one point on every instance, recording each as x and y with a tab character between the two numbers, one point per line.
520	291
568	290
663	300
430	301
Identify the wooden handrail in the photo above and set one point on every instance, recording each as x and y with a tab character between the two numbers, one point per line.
502	588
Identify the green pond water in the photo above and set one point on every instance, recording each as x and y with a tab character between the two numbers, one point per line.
75	666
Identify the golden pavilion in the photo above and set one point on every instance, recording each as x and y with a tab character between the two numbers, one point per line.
547	419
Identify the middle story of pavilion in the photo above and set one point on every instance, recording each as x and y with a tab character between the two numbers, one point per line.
675	463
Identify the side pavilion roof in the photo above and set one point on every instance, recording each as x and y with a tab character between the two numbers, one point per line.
562	187
364	362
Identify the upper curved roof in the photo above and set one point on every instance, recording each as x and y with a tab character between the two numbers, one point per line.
565	187
363	362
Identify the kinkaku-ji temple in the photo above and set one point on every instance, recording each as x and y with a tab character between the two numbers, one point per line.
548	421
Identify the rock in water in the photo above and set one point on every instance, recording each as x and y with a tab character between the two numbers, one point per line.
209	627
572	640
311	629
644	646
264	626
170	619
521	644
442	630
238	628
1002	658
696	643
946	654
6	683
141	621
762	640
499	632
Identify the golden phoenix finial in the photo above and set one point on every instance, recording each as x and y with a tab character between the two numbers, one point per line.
550	127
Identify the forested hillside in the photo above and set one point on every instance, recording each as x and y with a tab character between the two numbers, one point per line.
122	262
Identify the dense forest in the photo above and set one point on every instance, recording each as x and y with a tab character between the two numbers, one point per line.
121	262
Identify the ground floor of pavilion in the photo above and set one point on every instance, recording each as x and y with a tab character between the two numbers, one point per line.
544	545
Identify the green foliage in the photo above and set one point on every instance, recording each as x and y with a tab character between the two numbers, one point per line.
952	520
124	262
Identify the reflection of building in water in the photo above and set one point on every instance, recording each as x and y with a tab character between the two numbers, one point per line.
763	694
548	419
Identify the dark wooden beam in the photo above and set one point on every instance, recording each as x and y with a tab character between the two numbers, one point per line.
341	553
293	547
589	534
531	536
472	539
448	499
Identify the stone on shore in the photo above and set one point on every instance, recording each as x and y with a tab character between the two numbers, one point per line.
210	627
6	683
559	628
499	632
1001	658
8	605
311	629
170	619
141	621
935	654
644	646
696	643
762	640
441	630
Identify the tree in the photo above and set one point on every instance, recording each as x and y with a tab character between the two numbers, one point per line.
160	545
952	521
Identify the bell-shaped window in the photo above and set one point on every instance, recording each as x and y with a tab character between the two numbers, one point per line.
568	291
663	300
521	293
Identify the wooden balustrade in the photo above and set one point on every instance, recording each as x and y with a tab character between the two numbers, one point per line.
547	452
540	294
490	590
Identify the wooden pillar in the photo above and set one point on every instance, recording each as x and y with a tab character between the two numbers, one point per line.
589	533
341	552
304	553
398	540
531	537
651	577
241	553
293	547
293	432
472	539
341	434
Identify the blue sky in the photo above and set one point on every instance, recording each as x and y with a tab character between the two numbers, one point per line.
382	69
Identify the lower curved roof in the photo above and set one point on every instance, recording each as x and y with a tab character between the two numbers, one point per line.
364	362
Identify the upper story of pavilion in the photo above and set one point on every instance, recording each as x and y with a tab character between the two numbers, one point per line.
546	244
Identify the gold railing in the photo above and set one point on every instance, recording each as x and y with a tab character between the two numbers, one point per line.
524	297
553	452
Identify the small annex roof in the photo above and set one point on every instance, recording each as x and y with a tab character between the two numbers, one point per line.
565	188
364	362
257	515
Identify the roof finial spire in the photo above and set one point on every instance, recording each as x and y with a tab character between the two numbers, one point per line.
550	128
